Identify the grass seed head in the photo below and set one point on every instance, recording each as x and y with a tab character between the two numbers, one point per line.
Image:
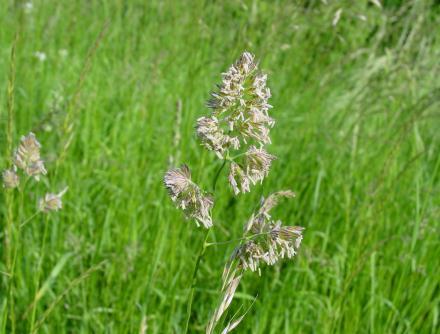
238	179
51	202
239	109
10	178
271	241
188	196
257	164
27	157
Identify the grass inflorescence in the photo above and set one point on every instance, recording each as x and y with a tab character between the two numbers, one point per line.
113	90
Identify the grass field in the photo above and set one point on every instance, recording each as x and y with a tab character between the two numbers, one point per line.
357	136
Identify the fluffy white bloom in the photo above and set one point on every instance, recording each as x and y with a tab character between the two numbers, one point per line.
271	240
51	202
213	137
10	178
41	56
239	108
238	179
257	163
27	157
188	196
255	167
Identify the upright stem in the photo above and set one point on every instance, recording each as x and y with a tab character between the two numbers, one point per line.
194	280
218	174
39	269
8	245
202	251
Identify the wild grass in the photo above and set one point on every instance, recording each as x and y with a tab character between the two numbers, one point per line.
357	112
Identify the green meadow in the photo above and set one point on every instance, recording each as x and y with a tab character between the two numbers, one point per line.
113	89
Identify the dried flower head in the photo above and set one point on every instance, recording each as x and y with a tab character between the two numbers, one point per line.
250	254
51	202
188	196
238	179
10	178
256	223
27	157
213	137
239	109
256	166
270	241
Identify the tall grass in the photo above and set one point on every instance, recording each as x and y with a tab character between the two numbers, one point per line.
357	111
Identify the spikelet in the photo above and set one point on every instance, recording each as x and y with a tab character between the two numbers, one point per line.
272	241
255	168
257	164
10	178
228	295
238	179
188	196
27	157
213	137
51	202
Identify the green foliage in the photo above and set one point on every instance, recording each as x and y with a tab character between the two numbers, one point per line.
356	136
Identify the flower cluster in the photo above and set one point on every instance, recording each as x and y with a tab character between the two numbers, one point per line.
51	202
27	158
240	124
240	120
254	168
11	178
270	240
188	196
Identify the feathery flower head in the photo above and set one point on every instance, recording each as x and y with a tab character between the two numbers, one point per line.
255	167
51	202
283	241
10	178
213	137
238	179
250	254
258	220
240	108
271	241
27	157
188	196
257	164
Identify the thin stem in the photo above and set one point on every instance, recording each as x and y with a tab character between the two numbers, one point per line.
237	156
250	237
72	106
29	219
8	244
218	173
37	281
194	279
205	245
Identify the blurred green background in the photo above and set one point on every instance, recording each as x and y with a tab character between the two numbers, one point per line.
356	104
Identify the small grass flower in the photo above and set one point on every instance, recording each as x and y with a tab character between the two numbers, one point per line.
270	240
27	157
10	178
253	169
188	196
257	163
51	202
